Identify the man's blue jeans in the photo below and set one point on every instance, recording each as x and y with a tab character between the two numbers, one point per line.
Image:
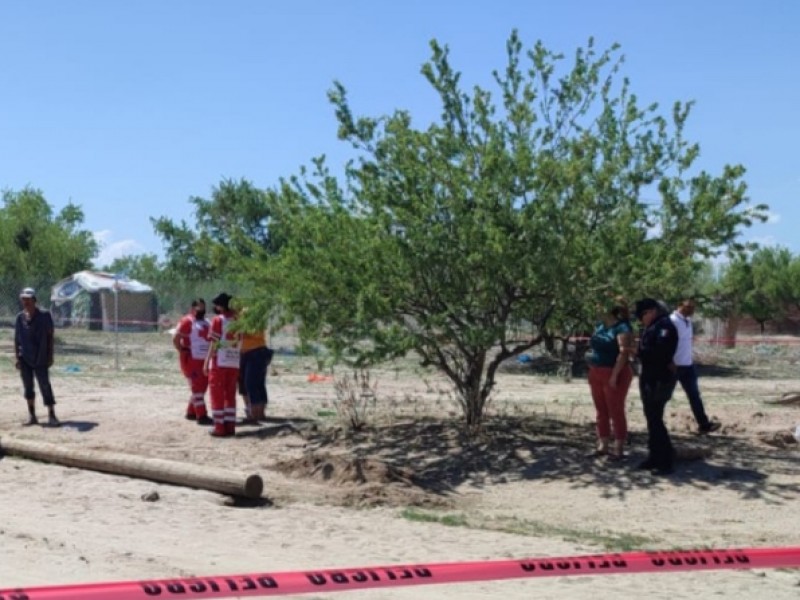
687	376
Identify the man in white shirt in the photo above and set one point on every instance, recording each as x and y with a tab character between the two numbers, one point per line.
687	374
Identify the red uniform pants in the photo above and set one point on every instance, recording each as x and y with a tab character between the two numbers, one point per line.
222	382
198	384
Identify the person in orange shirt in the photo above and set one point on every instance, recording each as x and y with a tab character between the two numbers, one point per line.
222	367
191	342
255	359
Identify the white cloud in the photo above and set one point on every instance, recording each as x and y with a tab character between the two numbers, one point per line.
101	237
773	218
111	249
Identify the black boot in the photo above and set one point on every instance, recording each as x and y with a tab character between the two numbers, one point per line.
32	420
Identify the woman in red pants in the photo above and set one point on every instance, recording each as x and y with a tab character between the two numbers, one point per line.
610	376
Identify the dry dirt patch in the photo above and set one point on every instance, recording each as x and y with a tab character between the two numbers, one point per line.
361	482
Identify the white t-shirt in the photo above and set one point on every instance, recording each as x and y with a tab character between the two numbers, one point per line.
683	353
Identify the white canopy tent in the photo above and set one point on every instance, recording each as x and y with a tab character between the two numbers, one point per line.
98	300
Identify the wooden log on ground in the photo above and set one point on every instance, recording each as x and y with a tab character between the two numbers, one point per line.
154	469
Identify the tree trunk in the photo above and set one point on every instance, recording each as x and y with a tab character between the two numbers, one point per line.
474	406
474	394
729	330
549	343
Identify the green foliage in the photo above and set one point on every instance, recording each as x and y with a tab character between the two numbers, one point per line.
469	241
763	284
233	223
38	246
142	267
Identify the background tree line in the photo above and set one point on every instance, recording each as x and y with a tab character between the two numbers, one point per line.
39	247
469	240
763	285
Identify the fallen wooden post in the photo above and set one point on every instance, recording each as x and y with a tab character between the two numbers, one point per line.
214	479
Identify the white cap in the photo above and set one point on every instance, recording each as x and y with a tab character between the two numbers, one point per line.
28	293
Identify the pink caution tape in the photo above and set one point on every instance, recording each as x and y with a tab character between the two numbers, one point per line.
331	580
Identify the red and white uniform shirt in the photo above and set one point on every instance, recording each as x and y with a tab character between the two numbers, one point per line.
228	344
194	335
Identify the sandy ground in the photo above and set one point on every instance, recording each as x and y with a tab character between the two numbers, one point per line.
524	488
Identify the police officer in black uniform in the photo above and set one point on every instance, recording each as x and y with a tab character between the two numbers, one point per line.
657	379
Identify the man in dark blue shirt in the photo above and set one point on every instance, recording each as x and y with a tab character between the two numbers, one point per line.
657	379
33	343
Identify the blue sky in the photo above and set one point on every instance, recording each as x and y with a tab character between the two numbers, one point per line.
130	108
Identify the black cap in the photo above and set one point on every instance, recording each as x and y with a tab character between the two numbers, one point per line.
223	300
643	305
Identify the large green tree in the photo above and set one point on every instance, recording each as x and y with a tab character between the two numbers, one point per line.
235	218
469	239
37	245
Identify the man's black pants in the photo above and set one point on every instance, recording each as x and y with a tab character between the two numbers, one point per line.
42	375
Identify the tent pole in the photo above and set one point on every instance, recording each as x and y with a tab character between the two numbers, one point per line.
116	323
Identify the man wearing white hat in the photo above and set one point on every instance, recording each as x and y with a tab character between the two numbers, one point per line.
33	343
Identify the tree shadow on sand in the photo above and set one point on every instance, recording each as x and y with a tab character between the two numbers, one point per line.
437	457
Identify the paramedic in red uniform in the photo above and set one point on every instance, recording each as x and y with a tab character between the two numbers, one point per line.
191	342
222	366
